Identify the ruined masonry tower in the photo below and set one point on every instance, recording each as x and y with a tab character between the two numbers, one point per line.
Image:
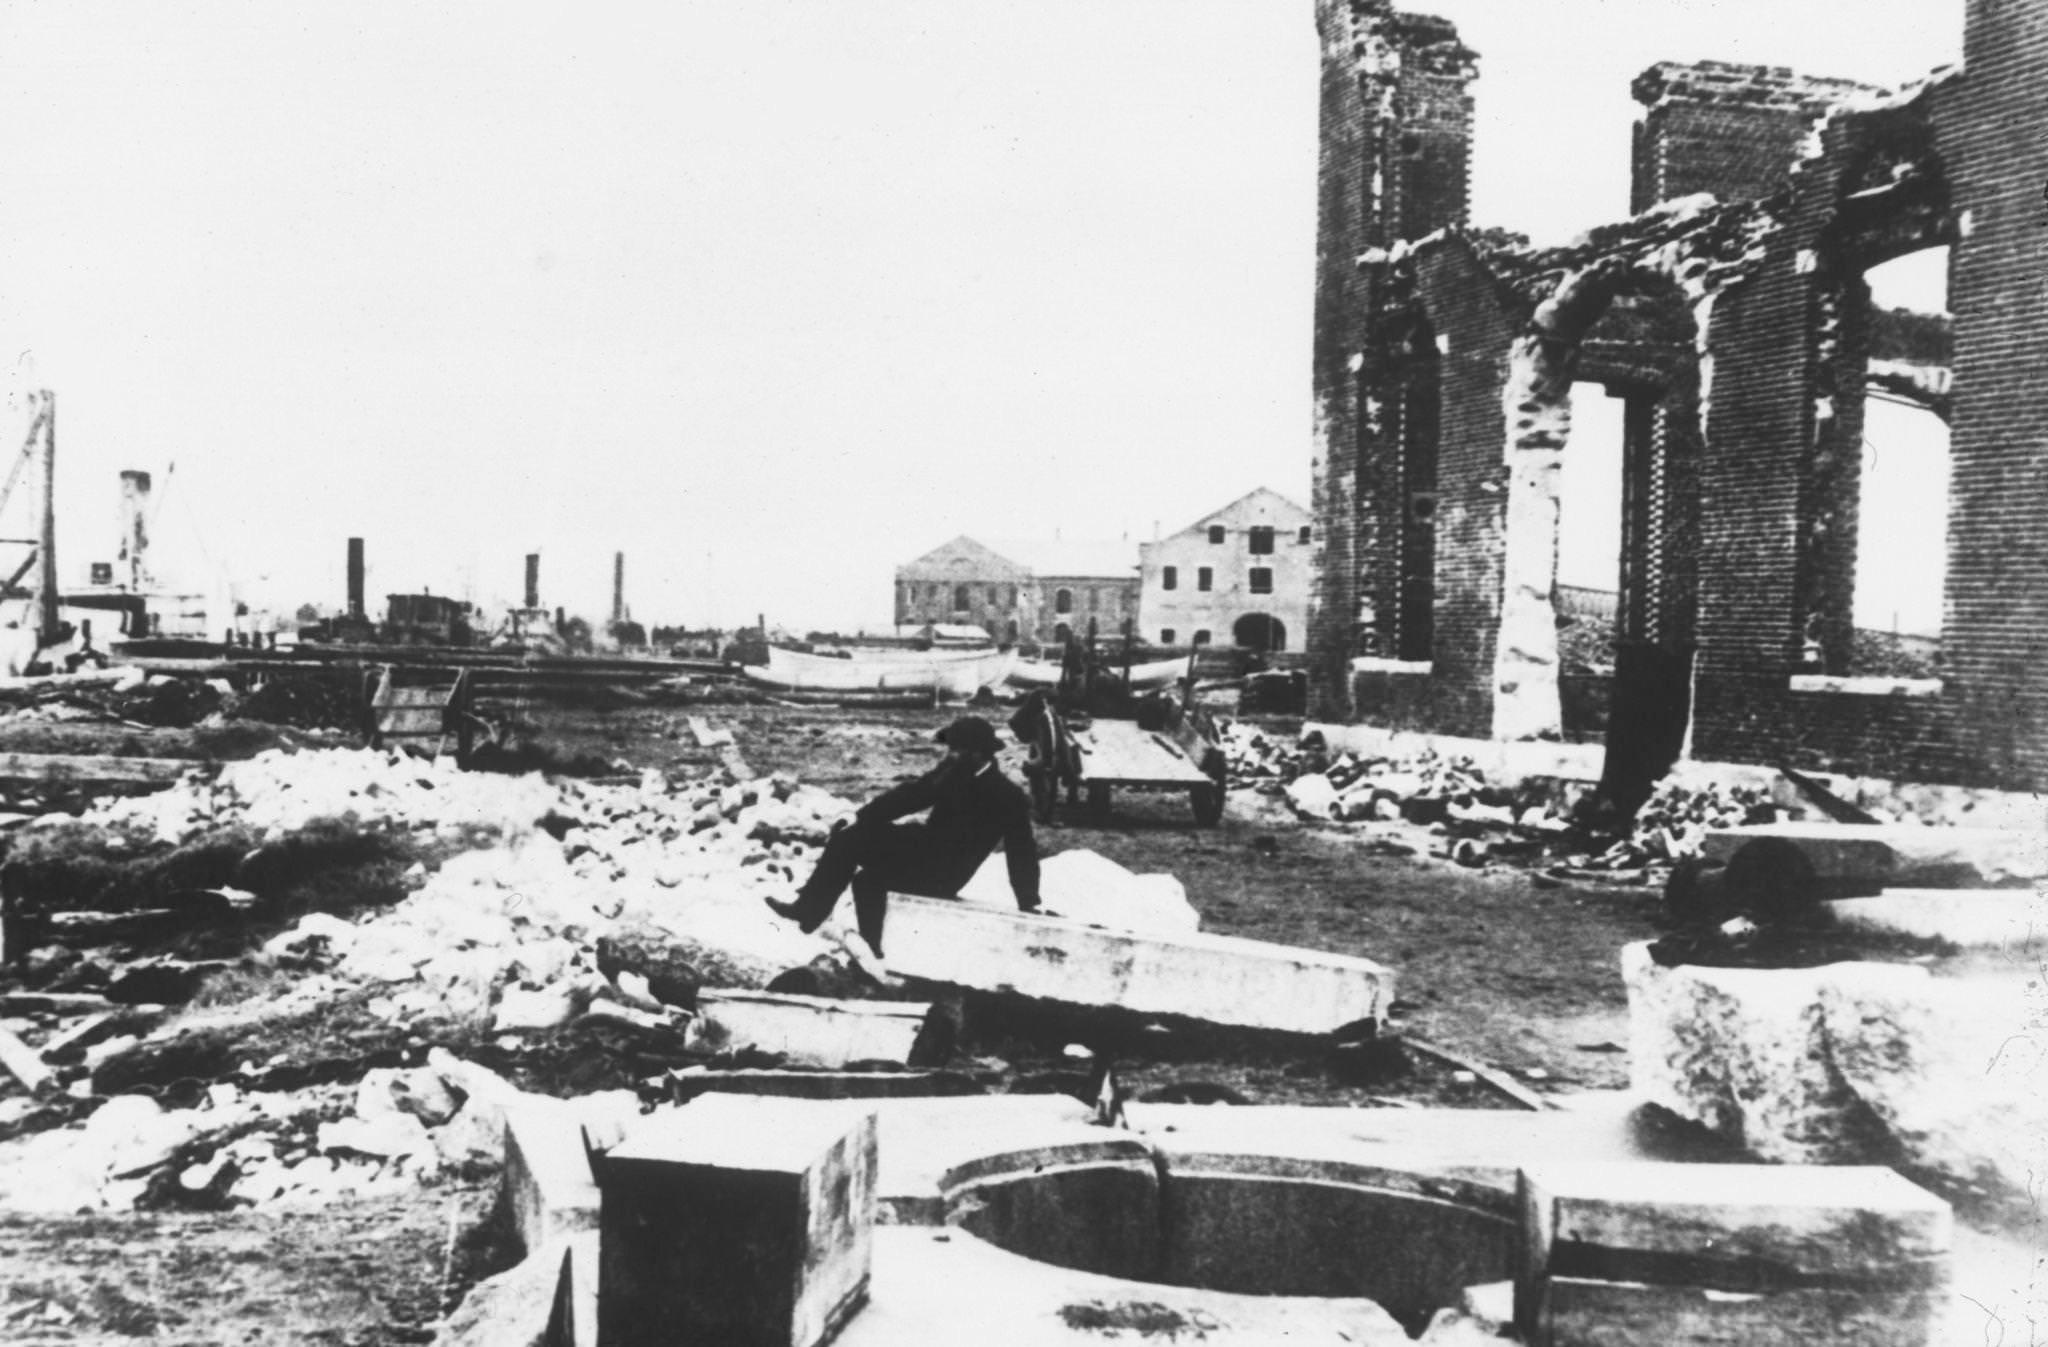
1396	137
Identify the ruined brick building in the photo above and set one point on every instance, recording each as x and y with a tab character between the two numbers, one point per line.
1738	332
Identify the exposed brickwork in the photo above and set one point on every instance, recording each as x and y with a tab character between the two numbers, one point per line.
1756	450
1396	133
1990	132
1730	130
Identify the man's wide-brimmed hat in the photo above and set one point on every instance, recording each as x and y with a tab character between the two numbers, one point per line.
972	734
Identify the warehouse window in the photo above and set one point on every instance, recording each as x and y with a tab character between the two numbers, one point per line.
1307	534
1062	633
1205	579
1260	536
1063	601
1262	579
1215	533
960	598
1169	577
1166	636
1202	637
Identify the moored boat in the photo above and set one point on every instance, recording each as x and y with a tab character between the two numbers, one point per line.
1151	675
951	672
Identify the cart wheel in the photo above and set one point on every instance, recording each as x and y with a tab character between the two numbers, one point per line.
1045	793
1208	802
1098	800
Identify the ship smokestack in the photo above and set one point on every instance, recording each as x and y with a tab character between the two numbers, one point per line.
134	554
355	579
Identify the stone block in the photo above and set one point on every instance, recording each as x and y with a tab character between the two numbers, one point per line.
1848	1063
547	1180
737	1220
2010	919
1898	855
1092	1206
1709	1253
807	1030
1291	1225
1578	1312
1220	979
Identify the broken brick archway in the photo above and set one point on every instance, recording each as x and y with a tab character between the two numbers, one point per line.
1632	330
1259	631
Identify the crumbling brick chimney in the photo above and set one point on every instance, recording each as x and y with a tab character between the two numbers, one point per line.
1731	130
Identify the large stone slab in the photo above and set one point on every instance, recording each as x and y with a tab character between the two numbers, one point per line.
2015	920
1729	1226
1220	979
1629	1252
1898	855
1285	1225
947	1288
807	1030
1091	1205
739	1220
1848	1063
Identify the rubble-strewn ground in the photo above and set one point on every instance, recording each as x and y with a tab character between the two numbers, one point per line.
1504	932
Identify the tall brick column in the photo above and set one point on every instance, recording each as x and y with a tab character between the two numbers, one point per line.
1396	134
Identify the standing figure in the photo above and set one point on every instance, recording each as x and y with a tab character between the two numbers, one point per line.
973	807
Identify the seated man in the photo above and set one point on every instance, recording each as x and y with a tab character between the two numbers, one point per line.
973	806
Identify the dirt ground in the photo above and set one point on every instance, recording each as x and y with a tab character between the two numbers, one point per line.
1505	966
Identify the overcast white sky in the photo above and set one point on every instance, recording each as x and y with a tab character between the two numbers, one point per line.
769	296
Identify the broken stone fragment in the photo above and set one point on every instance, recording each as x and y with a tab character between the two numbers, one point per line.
655	955
419	1091
522	1009
386	1136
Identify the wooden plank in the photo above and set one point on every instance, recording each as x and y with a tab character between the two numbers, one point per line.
690	1082
25	1063
1122	753
69	767
1501	1081
59	1003
1219	979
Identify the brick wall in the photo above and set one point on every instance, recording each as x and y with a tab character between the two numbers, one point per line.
1406	124
1778	493
1342	229
1475	331
1732	130
1992	133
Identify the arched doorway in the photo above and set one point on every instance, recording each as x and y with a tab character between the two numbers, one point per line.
1259	631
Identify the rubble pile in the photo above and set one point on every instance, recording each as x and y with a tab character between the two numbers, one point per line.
282	790
1474	820
575	903
1256	757
1676	818
392	1131
309	699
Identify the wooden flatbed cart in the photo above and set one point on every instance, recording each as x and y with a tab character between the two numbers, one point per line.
1176	750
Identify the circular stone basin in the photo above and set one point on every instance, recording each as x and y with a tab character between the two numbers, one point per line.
1248	1224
